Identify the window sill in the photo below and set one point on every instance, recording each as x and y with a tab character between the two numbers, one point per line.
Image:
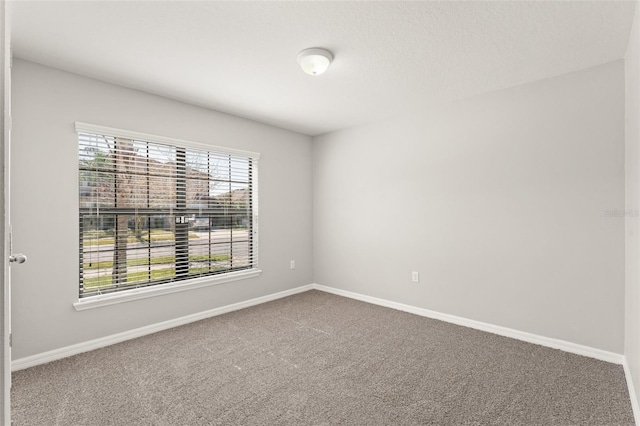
161	289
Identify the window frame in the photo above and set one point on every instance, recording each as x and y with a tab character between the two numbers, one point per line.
151	290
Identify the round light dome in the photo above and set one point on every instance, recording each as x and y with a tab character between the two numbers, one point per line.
315	60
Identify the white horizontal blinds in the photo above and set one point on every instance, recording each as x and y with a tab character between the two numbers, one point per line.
153	212
126	173
223	217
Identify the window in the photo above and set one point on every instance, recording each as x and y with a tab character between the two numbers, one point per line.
157	211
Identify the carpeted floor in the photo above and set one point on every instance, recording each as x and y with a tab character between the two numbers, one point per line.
320	359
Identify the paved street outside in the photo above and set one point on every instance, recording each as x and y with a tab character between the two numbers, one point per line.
220	244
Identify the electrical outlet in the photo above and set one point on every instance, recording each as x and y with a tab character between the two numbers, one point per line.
415	277
292	265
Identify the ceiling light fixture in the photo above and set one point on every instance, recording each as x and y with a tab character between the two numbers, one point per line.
315	60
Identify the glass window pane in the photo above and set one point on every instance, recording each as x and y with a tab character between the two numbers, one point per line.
139	228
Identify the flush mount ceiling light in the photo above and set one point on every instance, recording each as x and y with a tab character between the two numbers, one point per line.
315	60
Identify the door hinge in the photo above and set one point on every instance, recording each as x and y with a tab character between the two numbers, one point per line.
10	340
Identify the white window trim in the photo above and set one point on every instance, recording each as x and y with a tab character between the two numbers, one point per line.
123	296
162	289
92	128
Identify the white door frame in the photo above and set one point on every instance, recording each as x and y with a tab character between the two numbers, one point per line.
5	275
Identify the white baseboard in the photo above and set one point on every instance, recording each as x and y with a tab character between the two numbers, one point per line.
495	329
67	351
633	396
90	345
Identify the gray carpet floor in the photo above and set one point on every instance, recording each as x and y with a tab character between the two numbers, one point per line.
320	359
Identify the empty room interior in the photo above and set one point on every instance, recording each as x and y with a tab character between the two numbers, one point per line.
230	212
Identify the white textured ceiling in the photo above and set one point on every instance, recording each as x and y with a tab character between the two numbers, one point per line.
390	57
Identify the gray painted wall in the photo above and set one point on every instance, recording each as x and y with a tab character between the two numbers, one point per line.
46	103
499	202
632	187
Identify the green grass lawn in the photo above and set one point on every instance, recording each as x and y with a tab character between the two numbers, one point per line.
95	238
143	276
160	260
